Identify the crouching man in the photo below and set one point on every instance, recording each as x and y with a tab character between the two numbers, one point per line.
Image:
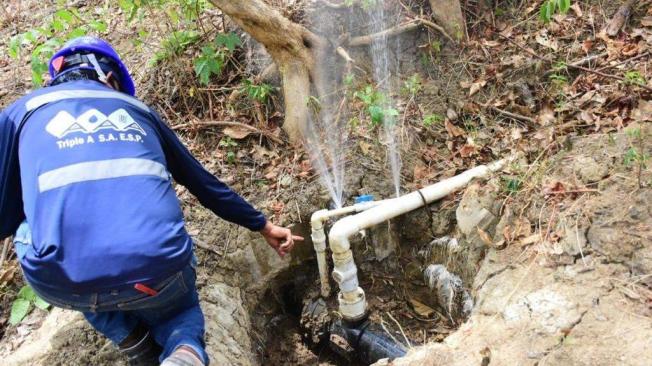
87	169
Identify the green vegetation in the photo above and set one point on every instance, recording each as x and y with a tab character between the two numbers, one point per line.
257	92
550	7
433	119
376	106
214	56
412	86
512	185
24	303
37	45
634	77
229	144
40	43
636	154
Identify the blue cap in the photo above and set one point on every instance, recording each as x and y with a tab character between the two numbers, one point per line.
364	198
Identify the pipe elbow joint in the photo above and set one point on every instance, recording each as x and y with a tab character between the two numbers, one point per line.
318	218
339	237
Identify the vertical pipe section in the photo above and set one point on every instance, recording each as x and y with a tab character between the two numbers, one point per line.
352	302
318	235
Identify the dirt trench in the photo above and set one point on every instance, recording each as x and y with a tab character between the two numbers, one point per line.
568	287
253	300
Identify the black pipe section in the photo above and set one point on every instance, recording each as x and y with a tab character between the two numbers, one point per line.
365	341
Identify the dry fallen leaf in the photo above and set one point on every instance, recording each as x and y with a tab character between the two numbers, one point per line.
467	150
422	309
577	10
475	87
365	147
453	130
517	133
554	188
646	21
485	237
490	43
546	115
543	39
236	132
534	238
420	172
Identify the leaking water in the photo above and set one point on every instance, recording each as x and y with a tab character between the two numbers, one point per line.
326	134
382	75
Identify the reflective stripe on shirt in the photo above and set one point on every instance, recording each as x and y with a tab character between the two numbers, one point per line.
76	94
102	169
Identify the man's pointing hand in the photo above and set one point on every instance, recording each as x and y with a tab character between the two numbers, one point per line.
279	238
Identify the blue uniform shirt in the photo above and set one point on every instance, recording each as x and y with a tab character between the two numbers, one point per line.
90	169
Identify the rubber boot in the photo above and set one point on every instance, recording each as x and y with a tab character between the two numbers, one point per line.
140	348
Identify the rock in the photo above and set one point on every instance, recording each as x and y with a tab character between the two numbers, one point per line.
384	241
228	327
574	240
38	344
549	310
589	170
475	209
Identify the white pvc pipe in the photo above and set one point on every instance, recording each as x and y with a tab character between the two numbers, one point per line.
352	303
319	236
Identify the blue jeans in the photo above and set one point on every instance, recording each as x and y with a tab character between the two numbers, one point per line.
173	315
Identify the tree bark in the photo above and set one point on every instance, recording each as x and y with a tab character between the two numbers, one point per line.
449	14
292	47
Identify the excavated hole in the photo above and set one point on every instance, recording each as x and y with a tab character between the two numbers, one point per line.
399	298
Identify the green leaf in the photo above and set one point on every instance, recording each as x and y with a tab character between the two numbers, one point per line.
57	25
513	185
564	6
229	40
546	11
390	112
64	15
38	68
31	36
99	26
27	293
19	310
77	32
41	304
207	65
14	46
376	114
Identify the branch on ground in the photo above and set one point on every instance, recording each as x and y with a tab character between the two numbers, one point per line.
394	31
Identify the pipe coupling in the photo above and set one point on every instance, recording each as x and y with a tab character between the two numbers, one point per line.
346	277
353	307
319	241
342	259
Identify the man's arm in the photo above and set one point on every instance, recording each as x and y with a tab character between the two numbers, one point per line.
217	196
211	192
11	198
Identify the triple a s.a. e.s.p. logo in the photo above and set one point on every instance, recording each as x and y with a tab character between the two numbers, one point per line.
95	127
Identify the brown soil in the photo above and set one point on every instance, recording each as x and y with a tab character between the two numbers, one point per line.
564	277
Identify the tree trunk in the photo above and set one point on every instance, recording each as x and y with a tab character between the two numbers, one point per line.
292	47
449	14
